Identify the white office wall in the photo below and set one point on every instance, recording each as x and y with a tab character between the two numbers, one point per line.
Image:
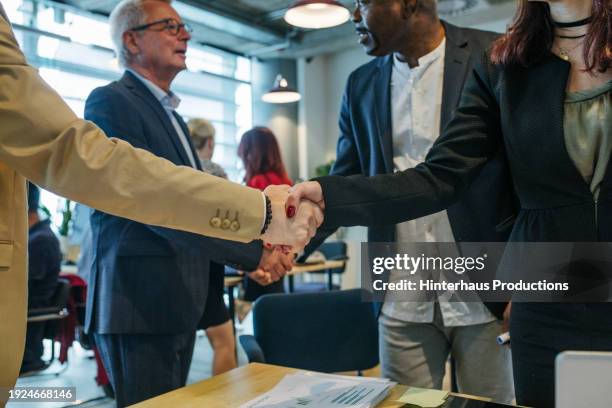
321	80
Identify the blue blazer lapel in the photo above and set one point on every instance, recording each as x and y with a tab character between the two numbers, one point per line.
382	109
456	62
139	89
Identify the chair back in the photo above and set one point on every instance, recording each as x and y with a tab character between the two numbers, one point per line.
323	331
61	295
59	301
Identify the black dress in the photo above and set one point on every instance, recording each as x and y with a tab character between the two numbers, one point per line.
215	311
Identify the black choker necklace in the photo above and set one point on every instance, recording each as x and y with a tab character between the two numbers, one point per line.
571	37
573	23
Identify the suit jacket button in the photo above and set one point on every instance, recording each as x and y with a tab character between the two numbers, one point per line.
235	226
215	222
225	224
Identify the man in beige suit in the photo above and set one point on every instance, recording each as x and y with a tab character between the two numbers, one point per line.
42	140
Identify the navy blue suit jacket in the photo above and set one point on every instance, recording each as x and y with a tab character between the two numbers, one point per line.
365	145
44	264
147	279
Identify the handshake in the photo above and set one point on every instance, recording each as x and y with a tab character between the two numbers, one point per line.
297	212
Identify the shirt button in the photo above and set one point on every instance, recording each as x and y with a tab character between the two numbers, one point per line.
235	226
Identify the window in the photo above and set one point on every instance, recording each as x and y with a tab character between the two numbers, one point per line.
73	52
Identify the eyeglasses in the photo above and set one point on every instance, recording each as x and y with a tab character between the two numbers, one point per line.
169	24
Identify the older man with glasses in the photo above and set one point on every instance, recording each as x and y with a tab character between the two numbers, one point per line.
149	285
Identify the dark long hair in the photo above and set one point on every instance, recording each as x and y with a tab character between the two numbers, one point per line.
260	153
530	37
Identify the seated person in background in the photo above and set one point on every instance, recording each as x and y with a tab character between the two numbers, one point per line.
202	134
44	267
216	319
260	154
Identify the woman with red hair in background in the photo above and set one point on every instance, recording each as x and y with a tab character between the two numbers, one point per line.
260	154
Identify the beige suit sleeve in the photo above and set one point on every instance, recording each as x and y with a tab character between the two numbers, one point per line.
41	138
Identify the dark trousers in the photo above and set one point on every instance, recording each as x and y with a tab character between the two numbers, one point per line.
142	366
33	347
540	331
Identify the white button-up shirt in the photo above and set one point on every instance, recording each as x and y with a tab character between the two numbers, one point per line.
416	105
170	103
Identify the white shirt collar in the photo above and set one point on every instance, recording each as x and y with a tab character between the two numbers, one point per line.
424	62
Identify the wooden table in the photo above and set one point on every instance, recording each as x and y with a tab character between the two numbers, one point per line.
232	281
240	385
314	267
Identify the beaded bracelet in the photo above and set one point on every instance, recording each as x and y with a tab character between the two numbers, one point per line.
268	215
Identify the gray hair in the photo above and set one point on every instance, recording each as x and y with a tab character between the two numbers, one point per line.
125	16
200	131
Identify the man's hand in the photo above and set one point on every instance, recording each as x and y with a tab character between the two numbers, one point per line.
294	232
260	276
273	266
276	263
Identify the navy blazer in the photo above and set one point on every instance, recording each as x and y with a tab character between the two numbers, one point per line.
147	279
365	145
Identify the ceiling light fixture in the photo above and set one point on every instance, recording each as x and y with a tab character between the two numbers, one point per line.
317	14
281	93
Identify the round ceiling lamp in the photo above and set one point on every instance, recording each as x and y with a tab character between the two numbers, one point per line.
281	93
317	14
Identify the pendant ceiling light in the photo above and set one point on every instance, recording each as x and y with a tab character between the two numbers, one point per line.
281	93
317	14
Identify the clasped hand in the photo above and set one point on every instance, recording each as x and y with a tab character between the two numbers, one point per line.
297	212
273	265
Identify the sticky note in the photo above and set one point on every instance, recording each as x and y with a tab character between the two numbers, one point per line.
424	397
